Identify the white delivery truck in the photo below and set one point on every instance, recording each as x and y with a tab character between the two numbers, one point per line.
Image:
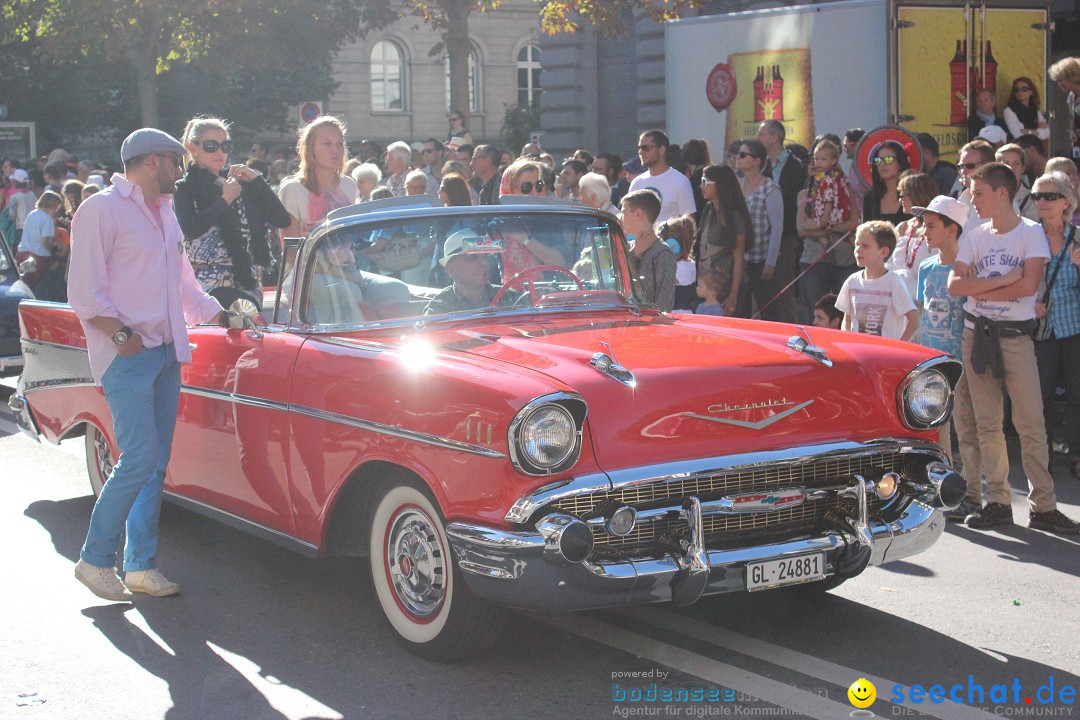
856	63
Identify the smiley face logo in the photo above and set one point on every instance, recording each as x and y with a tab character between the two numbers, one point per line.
862	693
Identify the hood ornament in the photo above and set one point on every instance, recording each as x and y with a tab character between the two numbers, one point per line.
606	364
806	346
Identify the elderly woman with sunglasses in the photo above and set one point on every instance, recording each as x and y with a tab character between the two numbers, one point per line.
224	211
1057	340
1022	115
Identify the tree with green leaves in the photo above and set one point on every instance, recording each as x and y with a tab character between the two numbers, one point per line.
226	39
557	16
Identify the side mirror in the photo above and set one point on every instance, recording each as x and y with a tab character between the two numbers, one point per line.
242	314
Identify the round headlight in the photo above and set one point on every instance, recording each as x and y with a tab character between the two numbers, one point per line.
927	397
548	436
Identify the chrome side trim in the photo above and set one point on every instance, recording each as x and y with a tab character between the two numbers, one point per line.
49	365
396	432
234	397
252	528
343	420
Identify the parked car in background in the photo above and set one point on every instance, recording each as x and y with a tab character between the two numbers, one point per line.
561	446
12	292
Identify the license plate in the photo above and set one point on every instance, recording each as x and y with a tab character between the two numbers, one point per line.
788	571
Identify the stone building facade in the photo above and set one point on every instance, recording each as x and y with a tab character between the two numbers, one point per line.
390	87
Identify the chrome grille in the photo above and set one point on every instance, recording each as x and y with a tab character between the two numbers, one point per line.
712	486
816	473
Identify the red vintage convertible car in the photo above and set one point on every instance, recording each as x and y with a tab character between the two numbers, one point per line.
562	446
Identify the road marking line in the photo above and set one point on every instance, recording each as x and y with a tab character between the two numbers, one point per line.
792	660
723	675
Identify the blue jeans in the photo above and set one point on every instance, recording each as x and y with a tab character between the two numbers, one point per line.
143	392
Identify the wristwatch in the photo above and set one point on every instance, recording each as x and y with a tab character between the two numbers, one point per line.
122	335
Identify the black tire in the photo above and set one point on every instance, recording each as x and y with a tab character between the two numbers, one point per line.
422	594
99	459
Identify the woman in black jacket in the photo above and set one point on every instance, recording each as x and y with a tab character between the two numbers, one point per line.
225	212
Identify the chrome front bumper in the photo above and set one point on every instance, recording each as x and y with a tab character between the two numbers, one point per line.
513	568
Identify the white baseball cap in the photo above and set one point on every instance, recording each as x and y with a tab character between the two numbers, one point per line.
19	175
946	207
993	135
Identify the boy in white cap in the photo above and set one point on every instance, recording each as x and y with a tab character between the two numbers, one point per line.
131	285
942	223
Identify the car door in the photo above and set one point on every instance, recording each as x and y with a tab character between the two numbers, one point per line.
231	445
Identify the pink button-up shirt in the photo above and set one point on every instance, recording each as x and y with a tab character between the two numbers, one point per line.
128	262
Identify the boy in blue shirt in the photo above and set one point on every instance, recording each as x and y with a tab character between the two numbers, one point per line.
943	221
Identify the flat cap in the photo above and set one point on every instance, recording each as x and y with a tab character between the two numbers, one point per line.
146	141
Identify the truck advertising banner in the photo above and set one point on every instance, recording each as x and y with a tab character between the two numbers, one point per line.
775	85
816	68
946	55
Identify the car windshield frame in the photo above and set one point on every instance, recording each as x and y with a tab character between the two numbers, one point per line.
429	228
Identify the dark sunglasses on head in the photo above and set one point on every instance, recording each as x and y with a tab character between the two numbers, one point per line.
527	187
1048	196
212	146
884	160
966	166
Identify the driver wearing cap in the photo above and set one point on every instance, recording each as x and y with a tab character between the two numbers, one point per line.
465	257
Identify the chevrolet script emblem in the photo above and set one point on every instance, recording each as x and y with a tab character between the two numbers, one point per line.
763	501
761	424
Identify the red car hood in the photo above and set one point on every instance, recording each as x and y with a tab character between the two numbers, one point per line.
706	387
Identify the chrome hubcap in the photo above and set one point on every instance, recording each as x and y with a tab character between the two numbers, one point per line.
104	458
416	562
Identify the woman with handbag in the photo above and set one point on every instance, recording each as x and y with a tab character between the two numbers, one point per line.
1057	337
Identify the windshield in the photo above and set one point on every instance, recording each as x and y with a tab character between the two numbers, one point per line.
454	263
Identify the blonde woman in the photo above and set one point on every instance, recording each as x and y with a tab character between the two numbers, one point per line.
320	184
224	211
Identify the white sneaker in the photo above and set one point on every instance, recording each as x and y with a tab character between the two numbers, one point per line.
103	582
151	582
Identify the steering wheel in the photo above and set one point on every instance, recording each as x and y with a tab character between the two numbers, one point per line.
535	269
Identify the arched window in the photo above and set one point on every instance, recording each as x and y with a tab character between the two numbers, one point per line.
474	82
387	76
528	76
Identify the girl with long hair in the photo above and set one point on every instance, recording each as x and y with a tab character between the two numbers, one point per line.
1022	115
724	233
320	184
223	212
916	190
887	162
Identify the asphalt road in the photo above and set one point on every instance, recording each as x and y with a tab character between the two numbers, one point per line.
259	632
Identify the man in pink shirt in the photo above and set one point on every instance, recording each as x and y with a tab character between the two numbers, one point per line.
131	285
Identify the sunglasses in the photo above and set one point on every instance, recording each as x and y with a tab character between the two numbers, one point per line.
1023	89
212	146
527	187
173	159
966	166
706	181
884	160
742	154
1048	196
646	148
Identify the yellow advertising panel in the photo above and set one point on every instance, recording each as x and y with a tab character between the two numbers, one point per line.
945	55
772	85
